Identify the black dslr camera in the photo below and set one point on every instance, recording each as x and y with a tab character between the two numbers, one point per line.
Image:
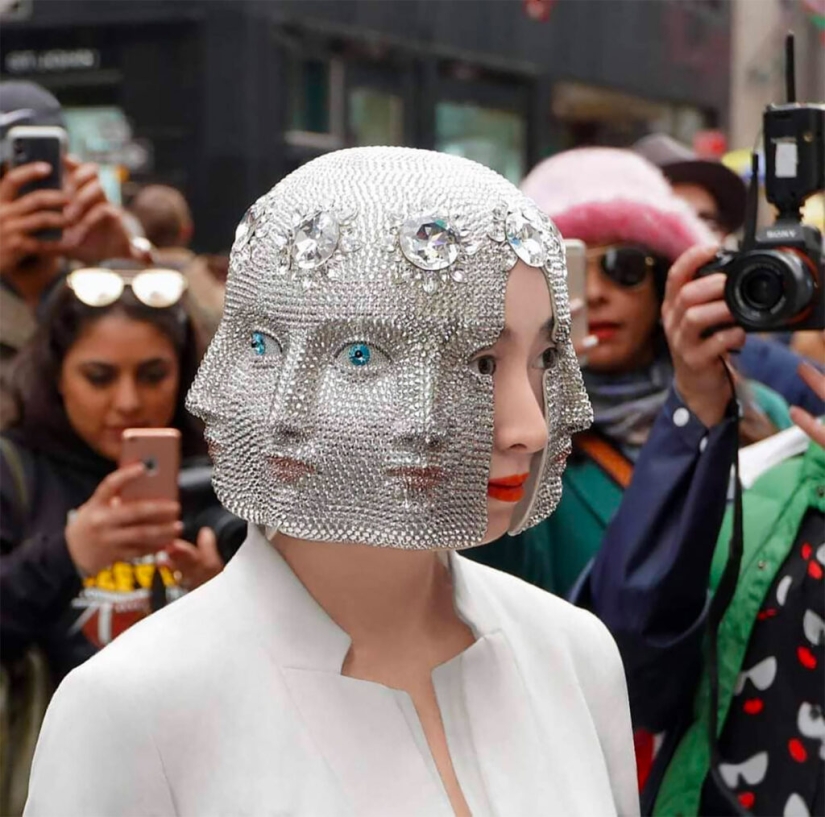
776	281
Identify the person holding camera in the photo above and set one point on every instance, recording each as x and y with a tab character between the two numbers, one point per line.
90	227
768	755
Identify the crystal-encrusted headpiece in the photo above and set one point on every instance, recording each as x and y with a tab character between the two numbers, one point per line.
337	392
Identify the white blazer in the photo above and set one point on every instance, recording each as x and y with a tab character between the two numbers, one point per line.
231	702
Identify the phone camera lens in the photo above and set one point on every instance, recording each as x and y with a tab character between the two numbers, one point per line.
151	465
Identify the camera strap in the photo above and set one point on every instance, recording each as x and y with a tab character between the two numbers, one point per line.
718	606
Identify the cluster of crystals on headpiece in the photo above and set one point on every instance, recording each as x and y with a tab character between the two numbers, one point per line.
347	411
525	234
430	247
315	243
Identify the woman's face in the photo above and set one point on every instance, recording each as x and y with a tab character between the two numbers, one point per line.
120	373
622	318
518	360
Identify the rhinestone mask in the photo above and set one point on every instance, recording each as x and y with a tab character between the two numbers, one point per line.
337	393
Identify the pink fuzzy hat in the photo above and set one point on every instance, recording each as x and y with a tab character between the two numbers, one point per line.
600	195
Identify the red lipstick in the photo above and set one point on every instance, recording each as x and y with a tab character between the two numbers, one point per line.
604	331
507	489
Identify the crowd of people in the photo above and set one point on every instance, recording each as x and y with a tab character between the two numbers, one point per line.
105	329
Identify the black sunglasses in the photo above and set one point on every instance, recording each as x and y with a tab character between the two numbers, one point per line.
629	266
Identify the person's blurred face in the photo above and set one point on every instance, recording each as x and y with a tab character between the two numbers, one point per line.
703	204
120	373
624	319
517	363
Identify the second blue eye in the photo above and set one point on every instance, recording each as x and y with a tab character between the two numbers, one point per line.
262	344
359	354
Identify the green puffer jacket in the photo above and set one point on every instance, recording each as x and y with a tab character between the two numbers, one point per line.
773	511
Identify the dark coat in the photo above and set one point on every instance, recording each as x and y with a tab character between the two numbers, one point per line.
38	579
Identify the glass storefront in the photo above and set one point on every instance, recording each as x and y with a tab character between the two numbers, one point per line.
490	136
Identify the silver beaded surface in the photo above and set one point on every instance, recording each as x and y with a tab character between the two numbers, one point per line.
337	393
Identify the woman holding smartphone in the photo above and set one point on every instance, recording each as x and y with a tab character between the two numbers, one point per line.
116	351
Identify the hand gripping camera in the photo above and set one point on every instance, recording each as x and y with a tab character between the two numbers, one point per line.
776	282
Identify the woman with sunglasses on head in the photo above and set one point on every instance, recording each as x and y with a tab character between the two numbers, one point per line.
117	350
650	358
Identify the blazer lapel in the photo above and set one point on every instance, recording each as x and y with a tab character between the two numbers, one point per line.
366	733
504	728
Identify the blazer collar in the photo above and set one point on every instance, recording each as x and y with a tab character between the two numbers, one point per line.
295	630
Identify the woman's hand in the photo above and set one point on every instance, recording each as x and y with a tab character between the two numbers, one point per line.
691	307
105	530
196	563
809	424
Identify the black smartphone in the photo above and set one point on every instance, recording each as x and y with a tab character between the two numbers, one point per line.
40	143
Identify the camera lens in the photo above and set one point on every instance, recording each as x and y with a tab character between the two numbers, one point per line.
767	288
762	289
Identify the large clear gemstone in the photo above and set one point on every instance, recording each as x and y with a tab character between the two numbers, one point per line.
315	240
525	238
244	228
429	242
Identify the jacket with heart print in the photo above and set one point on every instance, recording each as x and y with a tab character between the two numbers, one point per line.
783	508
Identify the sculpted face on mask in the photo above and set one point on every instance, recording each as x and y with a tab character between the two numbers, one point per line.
339	395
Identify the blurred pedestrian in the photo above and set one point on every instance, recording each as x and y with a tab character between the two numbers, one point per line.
166	219
164	214
92	228
714	192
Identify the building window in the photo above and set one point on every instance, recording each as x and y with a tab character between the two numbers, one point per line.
493	137
375	118
308	88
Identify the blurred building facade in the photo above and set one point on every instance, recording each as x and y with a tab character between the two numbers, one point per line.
759	28
223	97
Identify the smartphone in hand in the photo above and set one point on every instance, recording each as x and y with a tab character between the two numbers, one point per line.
159	451
40	143
577	288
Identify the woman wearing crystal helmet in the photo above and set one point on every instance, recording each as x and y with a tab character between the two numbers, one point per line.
392	382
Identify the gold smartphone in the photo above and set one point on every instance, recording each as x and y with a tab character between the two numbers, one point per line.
159	450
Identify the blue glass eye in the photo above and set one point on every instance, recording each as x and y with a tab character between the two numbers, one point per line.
359	354
362	356
258	343
262	344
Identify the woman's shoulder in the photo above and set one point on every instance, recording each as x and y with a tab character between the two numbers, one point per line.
172	647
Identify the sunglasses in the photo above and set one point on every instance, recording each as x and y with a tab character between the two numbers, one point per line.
158	288
629	266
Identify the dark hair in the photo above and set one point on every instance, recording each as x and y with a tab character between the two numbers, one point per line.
41	413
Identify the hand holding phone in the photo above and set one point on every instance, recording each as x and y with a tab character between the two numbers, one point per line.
158	449
576	252
105	530
41	145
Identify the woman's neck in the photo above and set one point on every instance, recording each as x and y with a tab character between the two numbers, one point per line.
374	594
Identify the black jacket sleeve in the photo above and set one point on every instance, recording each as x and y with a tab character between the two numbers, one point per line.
649	581
38	579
